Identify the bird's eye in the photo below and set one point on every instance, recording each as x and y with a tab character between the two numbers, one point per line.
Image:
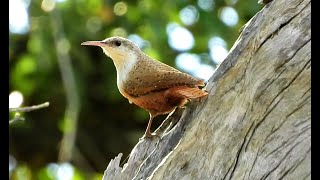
117	43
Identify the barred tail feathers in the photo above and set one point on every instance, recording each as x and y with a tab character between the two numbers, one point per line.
188	92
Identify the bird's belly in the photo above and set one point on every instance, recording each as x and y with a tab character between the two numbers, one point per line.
158	102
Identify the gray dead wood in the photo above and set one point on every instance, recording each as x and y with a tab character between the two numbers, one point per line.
256	121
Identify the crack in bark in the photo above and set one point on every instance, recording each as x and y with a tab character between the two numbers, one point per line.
286	87
269	84
293	55
225	176
292	168
281	26
273	130
280	125
254	162
300	105
246	147
264	118
254	130
288	142
268	112
302	122
283	70
281	161
238	154
250	137
234	85
308	90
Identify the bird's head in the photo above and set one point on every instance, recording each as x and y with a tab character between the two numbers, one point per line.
117	48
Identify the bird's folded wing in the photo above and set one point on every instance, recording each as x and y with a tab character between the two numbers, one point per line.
140	84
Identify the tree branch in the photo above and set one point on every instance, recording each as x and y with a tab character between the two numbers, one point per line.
30	108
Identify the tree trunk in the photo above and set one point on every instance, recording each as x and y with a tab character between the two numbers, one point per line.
255	122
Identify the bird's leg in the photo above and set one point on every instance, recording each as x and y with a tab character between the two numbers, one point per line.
148	133
165	123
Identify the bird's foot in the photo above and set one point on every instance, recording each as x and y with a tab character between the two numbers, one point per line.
149	135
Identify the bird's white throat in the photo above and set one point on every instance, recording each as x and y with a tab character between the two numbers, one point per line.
124	66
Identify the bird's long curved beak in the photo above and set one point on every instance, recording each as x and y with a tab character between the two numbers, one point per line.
93	43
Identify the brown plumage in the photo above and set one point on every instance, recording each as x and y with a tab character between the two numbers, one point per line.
146	82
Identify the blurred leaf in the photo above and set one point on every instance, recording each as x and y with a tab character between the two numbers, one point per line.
22	172
22	76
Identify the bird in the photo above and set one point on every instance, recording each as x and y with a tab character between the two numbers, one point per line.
149	83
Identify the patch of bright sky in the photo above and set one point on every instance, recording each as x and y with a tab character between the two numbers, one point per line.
189	15
218	49
180	38
18	16
206	5
229	16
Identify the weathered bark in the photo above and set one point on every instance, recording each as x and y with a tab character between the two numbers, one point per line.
256	121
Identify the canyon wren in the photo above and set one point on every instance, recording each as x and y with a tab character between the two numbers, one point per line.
146	82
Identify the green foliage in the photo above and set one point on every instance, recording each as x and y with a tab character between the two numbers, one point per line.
107	123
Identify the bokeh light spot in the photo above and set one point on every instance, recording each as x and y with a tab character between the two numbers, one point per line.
204	72
18	16
206	5
48	5
94	24
188	62
119	32
180	38
141	43
65	171
120	8
15	99
218	49
215	40
189	15
229	16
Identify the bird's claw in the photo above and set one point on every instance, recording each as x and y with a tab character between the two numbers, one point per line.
149	136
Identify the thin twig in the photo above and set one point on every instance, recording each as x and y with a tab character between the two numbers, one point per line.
16	118
30	108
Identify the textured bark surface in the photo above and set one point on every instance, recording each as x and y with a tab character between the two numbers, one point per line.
256	121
